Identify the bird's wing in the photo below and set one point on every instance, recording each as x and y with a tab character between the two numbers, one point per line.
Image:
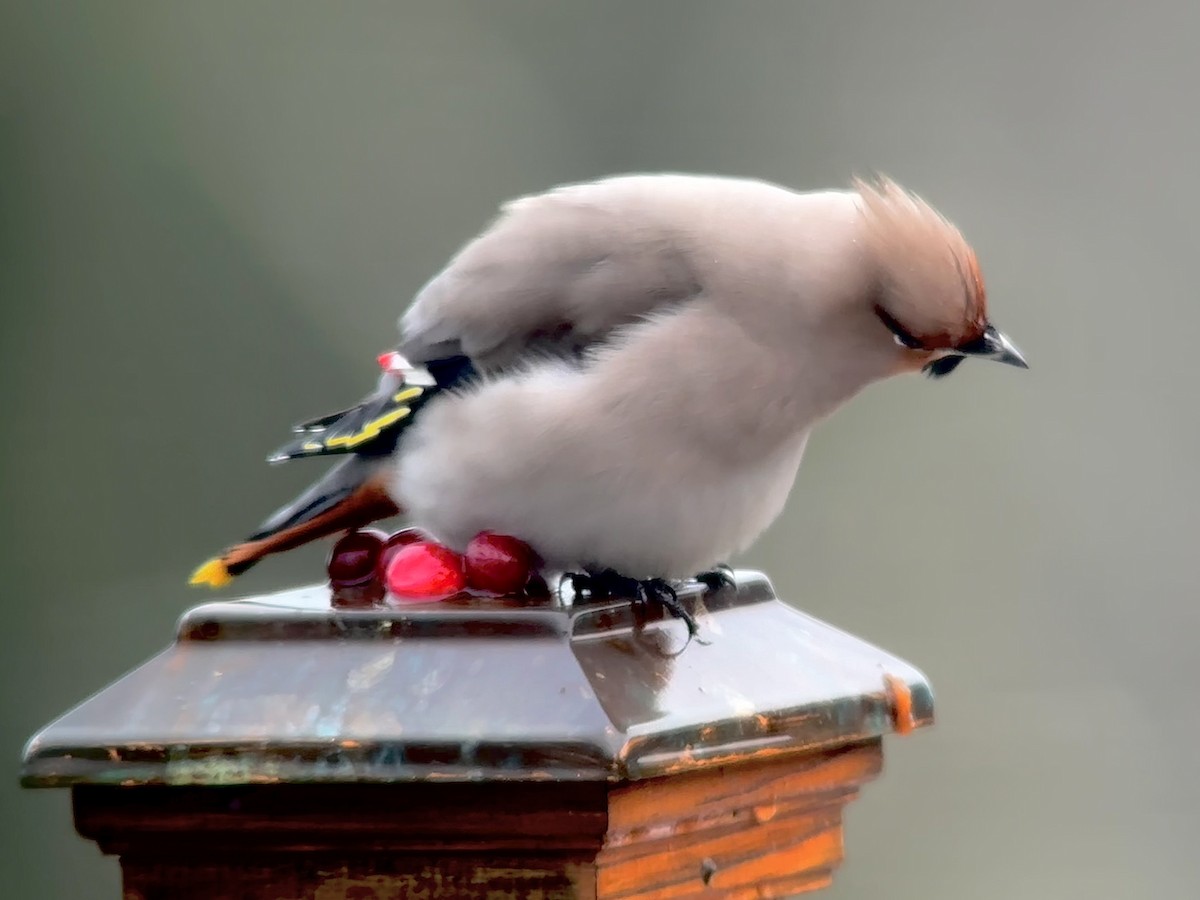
322	423
370	427
557	272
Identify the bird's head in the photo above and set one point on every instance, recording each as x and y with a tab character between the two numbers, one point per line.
927	291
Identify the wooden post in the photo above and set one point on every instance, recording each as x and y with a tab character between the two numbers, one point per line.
281	748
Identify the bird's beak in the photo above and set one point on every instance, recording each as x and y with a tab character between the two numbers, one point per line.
995	345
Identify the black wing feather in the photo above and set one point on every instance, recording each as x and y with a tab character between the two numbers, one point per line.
371	428
323	422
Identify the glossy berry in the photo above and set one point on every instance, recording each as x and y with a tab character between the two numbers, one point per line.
425	571
392	545
354	557
498	563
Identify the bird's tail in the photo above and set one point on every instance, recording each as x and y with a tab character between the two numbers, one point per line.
350	495
353	492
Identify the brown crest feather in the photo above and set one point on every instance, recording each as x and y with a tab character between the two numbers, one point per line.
929	278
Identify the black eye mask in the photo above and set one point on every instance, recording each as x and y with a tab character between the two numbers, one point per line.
902	337
942	366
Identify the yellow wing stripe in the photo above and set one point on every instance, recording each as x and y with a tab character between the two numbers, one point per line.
370	430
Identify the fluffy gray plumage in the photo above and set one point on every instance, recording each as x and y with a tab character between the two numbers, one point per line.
656	351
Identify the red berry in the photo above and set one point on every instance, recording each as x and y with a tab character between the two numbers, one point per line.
425	571
499	563
392	545
354	557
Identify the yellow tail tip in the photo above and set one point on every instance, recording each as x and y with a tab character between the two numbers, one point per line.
213	573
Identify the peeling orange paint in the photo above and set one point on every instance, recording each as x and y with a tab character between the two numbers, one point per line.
901	700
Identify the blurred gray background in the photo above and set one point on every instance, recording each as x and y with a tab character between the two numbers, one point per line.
211	214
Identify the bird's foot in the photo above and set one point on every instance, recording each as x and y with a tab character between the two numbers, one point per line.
611	584
601	585
663	592
718	578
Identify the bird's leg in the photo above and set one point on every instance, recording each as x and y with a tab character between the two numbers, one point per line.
662	592
718	577
603	584
611	584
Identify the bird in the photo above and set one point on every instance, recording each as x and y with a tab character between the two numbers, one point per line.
624	373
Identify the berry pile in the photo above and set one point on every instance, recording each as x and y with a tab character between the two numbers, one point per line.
412	567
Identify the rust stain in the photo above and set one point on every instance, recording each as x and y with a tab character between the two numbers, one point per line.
765	812
686	761
901	700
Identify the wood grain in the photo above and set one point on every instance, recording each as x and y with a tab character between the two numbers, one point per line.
745	830
770	827
395	878
344	818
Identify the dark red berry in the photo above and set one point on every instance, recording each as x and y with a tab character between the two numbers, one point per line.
498	563
425	571
354	557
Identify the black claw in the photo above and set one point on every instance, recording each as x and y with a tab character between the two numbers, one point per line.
718	578
608	583
663	593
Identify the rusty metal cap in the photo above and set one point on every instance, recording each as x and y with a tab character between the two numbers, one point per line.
284	688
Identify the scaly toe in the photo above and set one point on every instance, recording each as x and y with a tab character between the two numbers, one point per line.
718	578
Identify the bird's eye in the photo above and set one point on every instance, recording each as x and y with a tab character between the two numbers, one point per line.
901	336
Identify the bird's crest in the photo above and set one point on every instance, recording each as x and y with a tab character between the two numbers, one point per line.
929	278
